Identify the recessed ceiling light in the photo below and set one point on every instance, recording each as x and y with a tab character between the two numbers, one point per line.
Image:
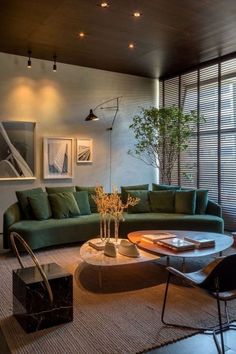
137	14
131	45
104	4
81	34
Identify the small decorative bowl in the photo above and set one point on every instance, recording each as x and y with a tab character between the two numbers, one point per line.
110	249
128	249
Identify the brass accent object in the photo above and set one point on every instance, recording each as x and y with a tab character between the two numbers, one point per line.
14	236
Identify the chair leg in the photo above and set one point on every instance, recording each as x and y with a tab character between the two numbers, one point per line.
226	312
165	297
220	323
163	311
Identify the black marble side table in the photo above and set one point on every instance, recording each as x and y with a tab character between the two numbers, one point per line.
31	304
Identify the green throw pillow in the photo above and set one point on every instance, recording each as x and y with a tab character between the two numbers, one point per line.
164	187
143	204
201	201
53	190
185	202
23	200
91	192
162	201
40	206
63	205
124	189
83	202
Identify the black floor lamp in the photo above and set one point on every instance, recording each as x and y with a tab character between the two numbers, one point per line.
93	117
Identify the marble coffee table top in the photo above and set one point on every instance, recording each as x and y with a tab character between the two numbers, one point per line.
97	258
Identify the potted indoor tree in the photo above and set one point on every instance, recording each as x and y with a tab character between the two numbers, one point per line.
161	134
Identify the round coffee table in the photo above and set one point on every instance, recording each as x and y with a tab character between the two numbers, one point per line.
97	258
222	242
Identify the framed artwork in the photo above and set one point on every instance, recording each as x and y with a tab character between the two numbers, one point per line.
84	151
17	150
57	158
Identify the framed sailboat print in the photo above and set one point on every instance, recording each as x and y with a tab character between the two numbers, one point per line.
17	150
57	158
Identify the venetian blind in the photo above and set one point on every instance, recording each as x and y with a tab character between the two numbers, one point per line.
210	160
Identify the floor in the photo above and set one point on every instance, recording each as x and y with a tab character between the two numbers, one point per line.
199	343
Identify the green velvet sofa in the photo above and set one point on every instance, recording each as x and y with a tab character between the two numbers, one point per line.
43	233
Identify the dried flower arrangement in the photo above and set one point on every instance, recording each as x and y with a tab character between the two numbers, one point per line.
111	208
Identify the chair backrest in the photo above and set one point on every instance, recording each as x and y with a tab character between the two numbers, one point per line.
222	276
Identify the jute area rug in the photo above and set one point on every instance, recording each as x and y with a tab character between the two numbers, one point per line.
123	317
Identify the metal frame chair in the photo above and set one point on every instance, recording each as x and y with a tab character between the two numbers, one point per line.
218	279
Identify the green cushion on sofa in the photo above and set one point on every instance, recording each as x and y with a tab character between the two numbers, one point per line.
162	201
22	197
63	205
201	201
143	204
83	202
124	189
185	202
91	192
52	190
164	187
40	206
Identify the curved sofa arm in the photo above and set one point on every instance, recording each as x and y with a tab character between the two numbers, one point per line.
10	216
214	209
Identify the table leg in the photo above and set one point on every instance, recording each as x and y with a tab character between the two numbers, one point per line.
183	266
100	277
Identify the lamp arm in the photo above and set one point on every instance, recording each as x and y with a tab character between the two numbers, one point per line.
112	99
114	118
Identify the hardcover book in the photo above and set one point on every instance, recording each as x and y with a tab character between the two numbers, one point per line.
157	237
98	245
201	241
177	244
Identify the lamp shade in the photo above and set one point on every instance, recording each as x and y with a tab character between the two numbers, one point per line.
91	116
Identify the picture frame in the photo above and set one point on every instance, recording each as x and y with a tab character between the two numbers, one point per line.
17	150
57	158
84	150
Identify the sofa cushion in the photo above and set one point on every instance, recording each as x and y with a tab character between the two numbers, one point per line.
162	201
82	200
91	192
143	204
185	202
23	200
170	221
201	201
63	205
40	206
52	190
164	187
124	189
49	232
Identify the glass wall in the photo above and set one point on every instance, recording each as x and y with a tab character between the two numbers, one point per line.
210	160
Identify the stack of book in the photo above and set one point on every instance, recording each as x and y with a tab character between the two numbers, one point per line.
97	244
154	238
177	244
201	241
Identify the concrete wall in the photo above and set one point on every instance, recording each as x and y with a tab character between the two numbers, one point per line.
59	102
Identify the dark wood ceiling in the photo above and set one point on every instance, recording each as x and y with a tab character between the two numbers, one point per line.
169	37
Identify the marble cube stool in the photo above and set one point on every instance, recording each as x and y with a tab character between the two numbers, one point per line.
31	304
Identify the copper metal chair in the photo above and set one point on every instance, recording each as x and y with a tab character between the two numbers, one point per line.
218	279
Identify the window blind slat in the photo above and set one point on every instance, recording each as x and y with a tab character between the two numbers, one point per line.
211	154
